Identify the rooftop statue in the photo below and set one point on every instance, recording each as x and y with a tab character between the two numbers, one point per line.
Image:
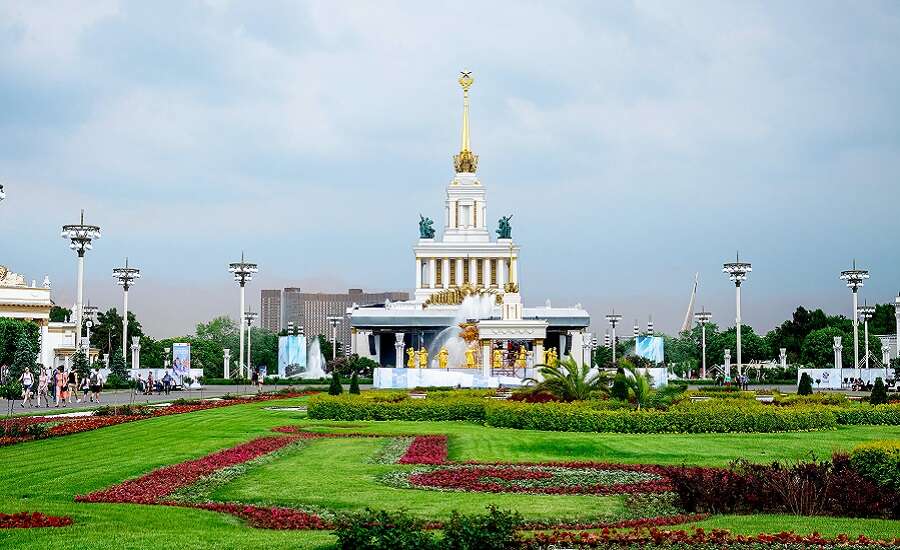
426	227
504	230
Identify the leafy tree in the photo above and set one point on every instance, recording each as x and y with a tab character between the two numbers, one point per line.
10	332
117	365
106	335
569	381
805	386
24	357
354	384
638	383
264	348
80	364
753	347
602	357
818	346
335	388
325	346
884	320
879	393
60	314
152	353
223	330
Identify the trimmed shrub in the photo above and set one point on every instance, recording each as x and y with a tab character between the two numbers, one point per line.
354	384
859	414
335	387
805	386
380	530
620	386
323	407
878	461
495	530
879	393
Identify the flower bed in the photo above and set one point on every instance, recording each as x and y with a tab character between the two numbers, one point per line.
268	517
426	449
699	538
25	427
535	479
30	520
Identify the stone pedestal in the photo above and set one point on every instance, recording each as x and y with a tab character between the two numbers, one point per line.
727	367
838	353
398	349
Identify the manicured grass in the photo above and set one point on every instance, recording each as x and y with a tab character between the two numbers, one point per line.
46	475
472	442
334	474
825	526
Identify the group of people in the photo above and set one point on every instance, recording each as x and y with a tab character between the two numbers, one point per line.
63	385
742	381
163	384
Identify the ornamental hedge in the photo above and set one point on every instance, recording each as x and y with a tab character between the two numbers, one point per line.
878	461
707	417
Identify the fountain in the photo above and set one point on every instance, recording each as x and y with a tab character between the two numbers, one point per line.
315	363
474	307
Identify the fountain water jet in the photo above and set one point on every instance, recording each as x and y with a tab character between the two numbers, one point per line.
471	308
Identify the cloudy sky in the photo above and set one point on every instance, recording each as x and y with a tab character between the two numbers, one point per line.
636	143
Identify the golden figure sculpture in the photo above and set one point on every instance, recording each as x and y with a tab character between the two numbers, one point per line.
470	358
456	295
423	358
411	358
443	357
552	357
497	361
520	360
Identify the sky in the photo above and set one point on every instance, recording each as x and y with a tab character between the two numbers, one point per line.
635	144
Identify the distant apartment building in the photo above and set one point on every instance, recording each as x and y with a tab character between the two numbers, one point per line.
312	309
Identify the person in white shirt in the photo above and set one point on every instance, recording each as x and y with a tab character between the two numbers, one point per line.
27	381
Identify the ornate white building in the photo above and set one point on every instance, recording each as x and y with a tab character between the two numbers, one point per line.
465	261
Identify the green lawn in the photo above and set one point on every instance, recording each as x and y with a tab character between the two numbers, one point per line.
827	527
46	475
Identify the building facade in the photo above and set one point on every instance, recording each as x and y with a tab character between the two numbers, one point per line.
311	310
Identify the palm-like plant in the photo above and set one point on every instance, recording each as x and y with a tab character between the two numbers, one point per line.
637	382
569	381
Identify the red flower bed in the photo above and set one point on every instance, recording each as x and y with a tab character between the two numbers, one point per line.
540	479
426	449
697	536
66	426
268	518
660	521
152	487
29	520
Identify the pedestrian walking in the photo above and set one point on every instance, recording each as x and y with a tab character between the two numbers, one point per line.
72	382
27	381
167	382
85	387
60	378
42	389
96	385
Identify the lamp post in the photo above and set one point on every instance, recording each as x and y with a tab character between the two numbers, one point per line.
703	317
650	326
613	319
80	236
866	312
737	272
586	345
89	313
125	277
243	272
249	317
637	332
334	321
855	278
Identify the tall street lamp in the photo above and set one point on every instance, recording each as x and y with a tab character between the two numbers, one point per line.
865	313
2	194
586	345
703	317
613	319
737	272
80	236
334	321
855	278
125	277
249	317
243	272
89	313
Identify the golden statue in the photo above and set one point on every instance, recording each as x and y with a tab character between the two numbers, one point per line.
497	362
520	360
470	358
411	358
423	358
443	357
552	357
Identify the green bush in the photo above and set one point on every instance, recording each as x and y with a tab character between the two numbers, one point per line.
354	384
878	461
495	530
335	387
788	400
323	407
805	386
620	386
879	393
858	414
380	530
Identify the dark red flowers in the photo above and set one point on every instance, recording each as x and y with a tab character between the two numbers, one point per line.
30	520
426	449
268	518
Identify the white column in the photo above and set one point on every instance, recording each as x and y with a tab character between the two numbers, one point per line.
703	339
249	357
577	347
838	356
782	356
727	368
514	271
866	334
485	272
432	276
226	368
445	272
46	350
241	323
897	330
486	358
473	271
125	327
353	344
856	333
418	273
738	326
459	271
501	269
398	349
78	300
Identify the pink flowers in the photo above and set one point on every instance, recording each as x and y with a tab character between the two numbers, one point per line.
30	520
268	518
426	449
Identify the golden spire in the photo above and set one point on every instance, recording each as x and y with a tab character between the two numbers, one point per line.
465	161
